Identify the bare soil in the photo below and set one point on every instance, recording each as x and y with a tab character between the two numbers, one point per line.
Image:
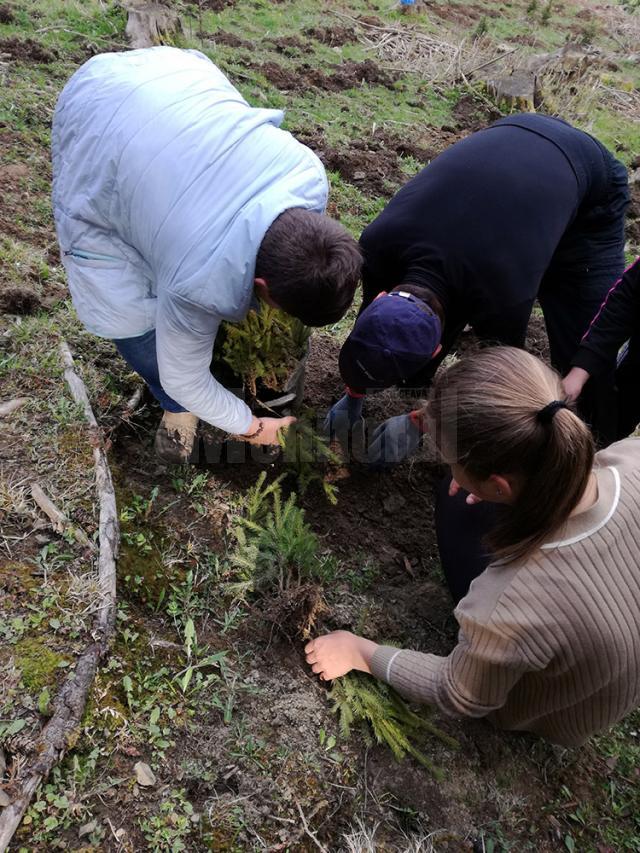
27	50
333	36
216	5
348	75
229	39
289	45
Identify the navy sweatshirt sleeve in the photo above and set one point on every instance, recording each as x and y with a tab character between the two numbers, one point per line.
615	322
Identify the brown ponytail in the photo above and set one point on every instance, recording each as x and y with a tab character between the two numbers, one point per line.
483	414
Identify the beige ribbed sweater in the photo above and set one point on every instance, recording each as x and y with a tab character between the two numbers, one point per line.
550	645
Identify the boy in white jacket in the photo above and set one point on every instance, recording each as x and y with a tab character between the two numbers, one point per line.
176	204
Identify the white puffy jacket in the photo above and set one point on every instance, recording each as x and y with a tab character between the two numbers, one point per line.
164	183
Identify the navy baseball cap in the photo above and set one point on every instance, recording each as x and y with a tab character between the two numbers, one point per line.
392	339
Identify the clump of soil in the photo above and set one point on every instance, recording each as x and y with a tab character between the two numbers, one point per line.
294	614
374	165
6	15
216	5
355	73
26	50
288	44
462	15
18	300
230	39
333	36
371	171
349	75
474	114
371	20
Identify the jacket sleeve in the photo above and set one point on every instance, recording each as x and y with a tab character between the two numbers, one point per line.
615	322
185	334
472	681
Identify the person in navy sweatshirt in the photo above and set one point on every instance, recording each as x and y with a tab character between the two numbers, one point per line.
614	333
528	208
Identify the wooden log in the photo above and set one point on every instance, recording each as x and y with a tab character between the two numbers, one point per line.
11	406
68	708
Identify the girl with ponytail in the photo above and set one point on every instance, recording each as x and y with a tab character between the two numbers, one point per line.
540	544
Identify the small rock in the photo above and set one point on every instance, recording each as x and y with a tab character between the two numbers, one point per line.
393	503
634	177
5	800
359	176
87	828
145	776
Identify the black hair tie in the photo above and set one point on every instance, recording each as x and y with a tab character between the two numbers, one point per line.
545	416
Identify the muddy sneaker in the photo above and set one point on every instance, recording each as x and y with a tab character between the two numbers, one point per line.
175	437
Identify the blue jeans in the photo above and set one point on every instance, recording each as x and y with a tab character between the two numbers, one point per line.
140	355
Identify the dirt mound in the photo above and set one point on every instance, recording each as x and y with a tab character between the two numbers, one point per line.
6	15
349	75
373	165
288	44
18	300
216	5
474	114
26	50
461	15
355	73
230	39
333	36
371	20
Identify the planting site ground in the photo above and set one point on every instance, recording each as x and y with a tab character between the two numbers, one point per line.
204	729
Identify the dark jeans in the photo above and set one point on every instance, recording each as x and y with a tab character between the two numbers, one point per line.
628	387
140	355
460	530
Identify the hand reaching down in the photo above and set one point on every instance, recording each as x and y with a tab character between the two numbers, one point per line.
333	655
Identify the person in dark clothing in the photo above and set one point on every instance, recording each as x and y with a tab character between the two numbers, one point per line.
528	208
613	333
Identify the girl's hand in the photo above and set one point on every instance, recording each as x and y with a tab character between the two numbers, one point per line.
336	654
455	487
265	430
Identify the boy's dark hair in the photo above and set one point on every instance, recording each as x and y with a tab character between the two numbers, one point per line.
311	265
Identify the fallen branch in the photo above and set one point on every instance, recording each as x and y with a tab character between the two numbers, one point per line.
59	521
134	401
12	406
71	701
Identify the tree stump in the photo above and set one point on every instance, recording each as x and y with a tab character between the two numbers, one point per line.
150	24
513	92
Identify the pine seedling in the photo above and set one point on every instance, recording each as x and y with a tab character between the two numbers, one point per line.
263	348
373	706
305	453
275	545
